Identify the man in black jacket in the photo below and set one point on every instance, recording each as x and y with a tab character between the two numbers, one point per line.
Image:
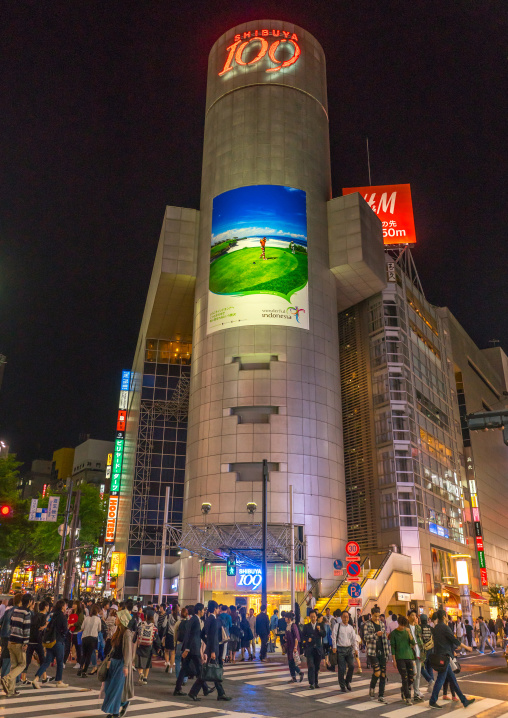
191	649
211	632
312	641
263	631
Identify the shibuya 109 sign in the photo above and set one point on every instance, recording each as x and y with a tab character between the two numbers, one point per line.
249	578
277	49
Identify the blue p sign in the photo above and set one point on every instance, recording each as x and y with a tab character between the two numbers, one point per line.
354	590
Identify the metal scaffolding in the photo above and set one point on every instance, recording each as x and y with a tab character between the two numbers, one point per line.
218	541
175	411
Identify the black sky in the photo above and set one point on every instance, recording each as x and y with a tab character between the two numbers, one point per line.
101	126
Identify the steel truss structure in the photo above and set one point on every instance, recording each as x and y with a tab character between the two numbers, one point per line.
172	412
218	541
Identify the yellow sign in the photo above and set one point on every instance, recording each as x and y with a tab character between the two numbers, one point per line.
98	568
117	563
110	459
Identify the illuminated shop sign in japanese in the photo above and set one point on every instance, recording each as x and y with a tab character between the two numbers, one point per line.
115	460
477	527
271	46
392	204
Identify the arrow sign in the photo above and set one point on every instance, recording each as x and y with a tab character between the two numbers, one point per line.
353	569
354	590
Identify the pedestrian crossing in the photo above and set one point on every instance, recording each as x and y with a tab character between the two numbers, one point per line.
73	702
275	677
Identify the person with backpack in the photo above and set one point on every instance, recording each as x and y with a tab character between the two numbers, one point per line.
17	644
247	635
37	626
292	641
147	637
53	640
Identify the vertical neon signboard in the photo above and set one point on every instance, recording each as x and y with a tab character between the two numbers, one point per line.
115	461
478	531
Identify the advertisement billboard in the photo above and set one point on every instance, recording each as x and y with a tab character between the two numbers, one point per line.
392	204
258	258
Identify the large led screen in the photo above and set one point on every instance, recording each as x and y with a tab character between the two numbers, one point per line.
258	258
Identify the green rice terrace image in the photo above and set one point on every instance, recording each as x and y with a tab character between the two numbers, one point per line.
237	270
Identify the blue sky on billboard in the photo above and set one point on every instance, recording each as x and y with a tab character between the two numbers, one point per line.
260	210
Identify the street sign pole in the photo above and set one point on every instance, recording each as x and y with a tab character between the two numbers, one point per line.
163	545
264	583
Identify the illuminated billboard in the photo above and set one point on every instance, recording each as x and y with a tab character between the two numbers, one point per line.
277	49
392	204
258	258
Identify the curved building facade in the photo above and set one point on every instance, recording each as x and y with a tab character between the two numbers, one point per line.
266	387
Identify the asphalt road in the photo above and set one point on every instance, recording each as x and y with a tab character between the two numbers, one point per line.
263	690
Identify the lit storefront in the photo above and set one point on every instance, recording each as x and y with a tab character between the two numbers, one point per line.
244	589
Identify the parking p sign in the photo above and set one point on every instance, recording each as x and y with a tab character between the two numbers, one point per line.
354	590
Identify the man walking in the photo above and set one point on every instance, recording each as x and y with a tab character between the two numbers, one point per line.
469	632
344	645
484	636
211	631
312	641
21	619
252	623
378	651
263	631
191	650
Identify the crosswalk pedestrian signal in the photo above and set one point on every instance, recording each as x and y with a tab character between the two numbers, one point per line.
231	566
87	563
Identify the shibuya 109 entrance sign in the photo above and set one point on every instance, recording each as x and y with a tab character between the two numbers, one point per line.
277	48
258	258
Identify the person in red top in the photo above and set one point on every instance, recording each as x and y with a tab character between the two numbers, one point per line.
262	242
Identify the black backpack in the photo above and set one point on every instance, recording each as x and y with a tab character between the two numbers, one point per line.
181	631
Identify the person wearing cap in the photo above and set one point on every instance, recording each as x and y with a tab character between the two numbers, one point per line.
118	688
378	651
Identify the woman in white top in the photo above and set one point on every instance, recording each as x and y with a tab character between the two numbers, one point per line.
89	639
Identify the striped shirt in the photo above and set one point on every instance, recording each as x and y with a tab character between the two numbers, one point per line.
20	625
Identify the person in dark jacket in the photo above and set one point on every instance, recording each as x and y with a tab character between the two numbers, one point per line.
312	642
191	648
445	644
58	632
212	634
245	641
263	631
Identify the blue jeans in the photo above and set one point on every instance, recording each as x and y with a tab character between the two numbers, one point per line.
441	677
56	653
178	661
427	671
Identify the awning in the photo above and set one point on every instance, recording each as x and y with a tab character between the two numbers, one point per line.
478	597
455	591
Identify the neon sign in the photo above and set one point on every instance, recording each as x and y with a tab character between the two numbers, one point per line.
249	577
236	51
115	460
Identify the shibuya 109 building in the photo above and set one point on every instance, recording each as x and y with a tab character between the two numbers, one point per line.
289	363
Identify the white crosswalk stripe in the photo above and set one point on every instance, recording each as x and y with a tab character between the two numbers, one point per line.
343	697
258	674
292	686
370	704
329	689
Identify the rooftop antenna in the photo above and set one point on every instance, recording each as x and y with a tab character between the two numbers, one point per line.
494	342
368	161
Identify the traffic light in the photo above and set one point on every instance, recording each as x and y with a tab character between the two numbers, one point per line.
231	566
5	511
87	563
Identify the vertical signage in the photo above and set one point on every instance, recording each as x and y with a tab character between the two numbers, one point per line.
115	460
477	528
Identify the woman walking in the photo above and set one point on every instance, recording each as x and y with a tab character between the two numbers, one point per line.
234	633
89	639
147	637
402	643
247	635
110	630
170	644
293	648
118	689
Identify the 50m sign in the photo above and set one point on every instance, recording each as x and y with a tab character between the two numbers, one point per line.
268	49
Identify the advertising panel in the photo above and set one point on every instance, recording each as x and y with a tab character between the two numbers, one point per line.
258	258
393	205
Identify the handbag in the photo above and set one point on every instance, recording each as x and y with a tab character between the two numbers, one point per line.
296	658
211	672
103	670
439	662
455	664
332	659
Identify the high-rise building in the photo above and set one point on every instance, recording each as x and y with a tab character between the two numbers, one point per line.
63	464
37	480
90	461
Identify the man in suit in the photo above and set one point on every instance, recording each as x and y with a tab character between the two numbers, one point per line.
312	641
263	631
191	649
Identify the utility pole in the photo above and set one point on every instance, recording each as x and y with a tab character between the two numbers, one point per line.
163	546
64	537
292	549
70	552
264	571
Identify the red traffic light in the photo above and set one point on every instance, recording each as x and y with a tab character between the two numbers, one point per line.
5	510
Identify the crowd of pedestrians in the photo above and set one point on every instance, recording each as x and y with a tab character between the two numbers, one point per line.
116	640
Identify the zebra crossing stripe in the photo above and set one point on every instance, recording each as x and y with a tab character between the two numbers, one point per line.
38	698
254	669
355	694
265	681
472	710
328	679
369	705
260	674
330	689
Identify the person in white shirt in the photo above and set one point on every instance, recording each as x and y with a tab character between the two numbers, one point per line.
344	645
89	639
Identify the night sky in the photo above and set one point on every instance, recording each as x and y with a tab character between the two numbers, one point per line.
101	126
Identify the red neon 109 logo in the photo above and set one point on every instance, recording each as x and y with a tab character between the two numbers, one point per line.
282	39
